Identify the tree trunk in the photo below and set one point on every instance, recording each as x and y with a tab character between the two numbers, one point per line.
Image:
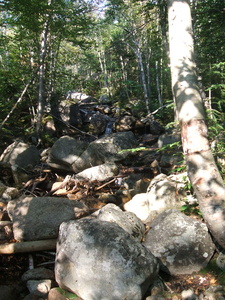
41	88
201	167
158	84
138	54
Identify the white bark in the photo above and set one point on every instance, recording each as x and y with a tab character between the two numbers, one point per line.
201	167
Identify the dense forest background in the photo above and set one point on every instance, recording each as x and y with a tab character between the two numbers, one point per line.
114	48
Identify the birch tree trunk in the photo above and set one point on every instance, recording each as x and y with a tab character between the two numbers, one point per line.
138	53
158	84
202	170
41	88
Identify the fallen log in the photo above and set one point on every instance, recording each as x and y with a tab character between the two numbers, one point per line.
5	223
29	246
131	170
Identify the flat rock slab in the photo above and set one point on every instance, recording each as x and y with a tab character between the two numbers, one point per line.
38	218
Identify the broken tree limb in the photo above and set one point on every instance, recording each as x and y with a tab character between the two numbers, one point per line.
19	99
5	223
29	246
103	185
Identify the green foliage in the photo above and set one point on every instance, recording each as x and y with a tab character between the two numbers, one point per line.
179	169
191	209
91	54
66	294
188	185
216	121
172	146
133	150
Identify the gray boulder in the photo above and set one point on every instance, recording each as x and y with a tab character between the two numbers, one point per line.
40	287
98	123
139	206
126	220
23	155
163	192
65	152
108	148
168	138
100	173
39	218
73	155
22	158
99	260
181	243
38	273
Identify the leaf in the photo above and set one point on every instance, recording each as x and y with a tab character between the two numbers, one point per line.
184	207
213	281
66	294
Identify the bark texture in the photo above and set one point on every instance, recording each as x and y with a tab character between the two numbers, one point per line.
201	167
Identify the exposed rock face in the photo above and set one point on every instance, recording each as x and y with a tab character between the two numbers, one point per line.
139	206
166	139
21	154
125	123
100	173
98	124
74	155
126	220
162	193
65	152
181	243
39	217
99	260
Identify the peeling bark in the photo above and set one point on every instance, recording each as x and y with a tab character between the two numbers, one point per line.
190	132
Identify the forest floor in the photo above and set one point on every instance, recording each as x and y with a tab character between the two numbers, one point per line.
12	266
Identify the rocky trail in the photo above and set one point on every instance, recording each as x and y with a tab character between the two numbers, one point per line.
13	266
128	180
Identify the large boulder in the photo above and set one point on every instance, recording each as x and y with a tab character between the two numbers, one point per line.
38	218
126	220
22	155
139	206
109	148
65	152
98	123
99	260
73	155
163	192
182	244
101	173
168	139
22	158
125	123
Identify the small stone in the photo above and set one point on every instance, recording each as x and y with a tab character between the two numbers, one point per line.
10	193
188	295
39	287
220	261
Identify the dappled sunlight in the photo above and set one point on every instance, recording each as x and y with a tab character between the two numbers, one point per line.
202	170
